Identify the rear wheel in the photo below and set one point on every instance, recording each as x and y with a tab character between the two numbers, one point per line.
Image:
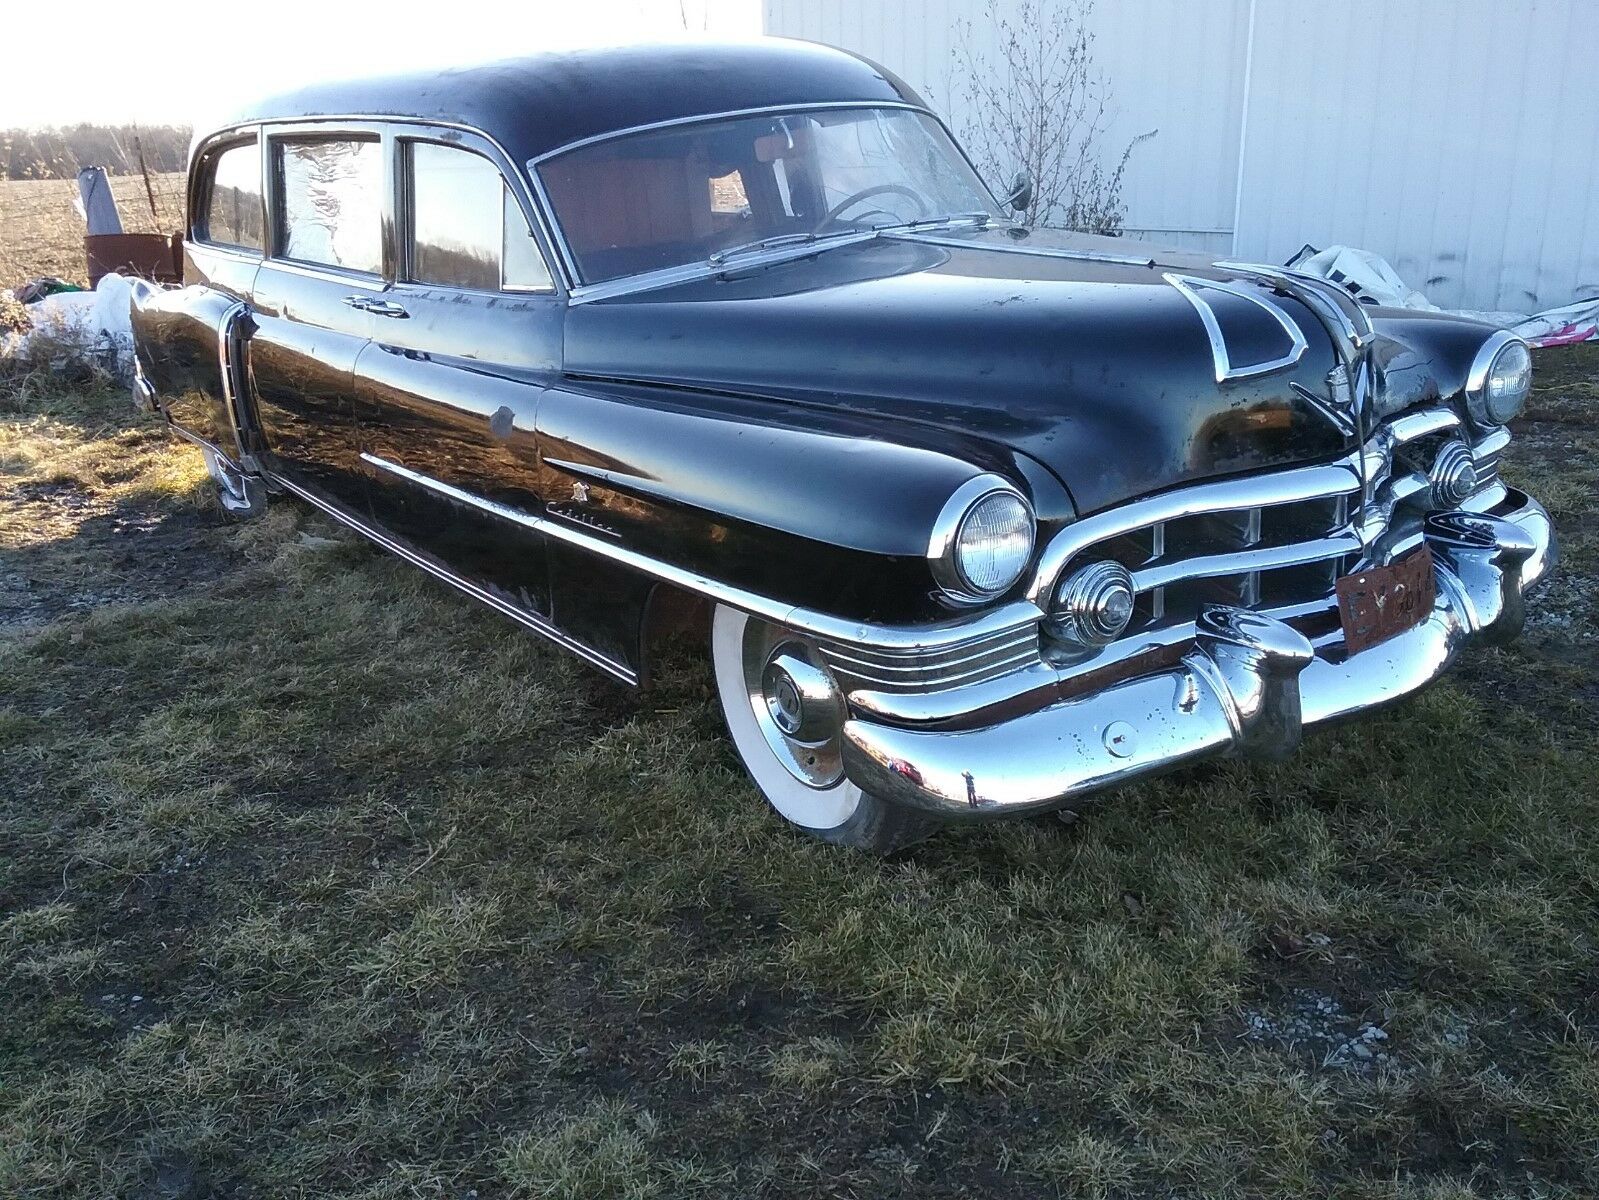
786	720
241	497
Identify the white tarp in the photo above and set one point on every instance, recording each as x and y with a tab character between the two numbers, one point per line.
1372	280
94	326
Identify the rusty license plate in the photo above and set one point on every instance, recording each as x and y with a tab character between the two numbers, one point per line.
1376	604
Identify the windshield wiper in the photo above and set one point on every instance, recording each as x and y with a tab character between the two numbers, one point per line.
780	239
979	218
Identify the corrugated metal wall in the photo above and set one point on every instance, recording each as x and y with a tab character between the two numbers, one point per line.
1458	140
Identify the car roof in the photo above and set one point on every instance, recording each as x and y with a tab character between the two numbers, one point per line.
542	102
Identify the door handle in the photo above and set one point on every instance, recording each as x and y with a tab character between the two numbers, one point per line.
378	308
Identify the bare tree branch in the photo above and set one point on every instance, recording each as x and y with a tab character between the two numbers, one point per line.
1040	107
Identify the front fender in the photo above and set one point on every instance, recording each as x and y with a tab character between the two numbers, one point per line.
1424	358
826	510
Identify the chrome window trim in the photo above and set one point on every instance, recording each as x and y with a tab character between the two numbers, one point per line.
627	285
312	270
405	221
236	253
902	638
243	136
946	530
354	129
526	188
701	118
1190	286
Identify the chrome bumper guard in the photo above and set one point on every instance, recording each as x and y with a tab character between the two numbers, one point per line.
1250	686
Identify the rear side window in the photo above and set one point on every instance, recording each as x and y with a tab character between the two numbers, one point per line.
332	202
233	198
467	229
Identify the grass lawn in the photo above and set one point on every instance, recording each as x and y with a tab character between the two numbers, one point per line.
316	880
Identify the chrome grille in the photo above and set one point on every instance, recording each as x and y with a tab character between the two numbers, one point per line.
1487	452
920	669
1276	555
1276	542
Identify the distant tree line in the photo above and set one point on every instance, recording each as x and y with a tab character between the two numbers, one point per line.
59	153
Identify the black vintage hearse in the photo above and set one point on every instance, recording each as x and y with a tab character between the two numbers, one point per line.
982	520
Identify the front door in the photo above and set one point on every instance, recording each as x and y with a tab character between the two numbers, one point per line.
314	300
446	393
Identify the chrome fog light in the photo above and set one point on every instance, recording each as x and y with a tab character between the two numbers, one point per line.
1453	475
799	696
1499	380
1093	604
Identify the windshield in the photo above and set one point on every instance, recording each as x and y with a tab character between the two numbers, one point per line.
670	197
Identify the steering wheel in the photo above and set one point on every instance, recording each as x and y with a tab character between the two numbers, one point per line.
879	189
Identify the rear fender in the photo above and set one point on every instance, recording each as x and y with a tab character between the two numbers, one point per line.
190	349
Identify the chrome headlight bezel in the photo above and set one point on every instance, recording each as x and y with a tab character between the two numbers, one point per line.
944	547
1487	410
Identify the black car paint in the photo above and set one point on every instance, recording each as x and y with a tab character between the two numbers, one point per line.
790	429
1055	358
533	105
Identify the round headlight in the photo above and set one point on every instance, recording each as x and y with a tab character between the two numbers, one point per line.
983	540
1501	377
1093	604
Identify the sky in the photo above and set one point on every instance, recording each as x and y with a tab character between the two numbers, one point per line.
184	61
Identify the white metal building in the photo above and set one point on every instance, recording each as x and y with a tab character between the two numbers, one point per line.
1459	139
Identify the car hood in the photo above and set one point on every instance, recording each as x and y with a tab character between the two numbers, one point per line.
1087	354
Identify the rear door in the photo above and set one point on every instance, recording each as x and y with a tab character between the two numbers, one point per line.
313	300
448	388
189	341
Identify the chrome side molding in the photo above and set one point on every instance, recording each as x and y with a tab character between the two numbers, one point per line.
948	635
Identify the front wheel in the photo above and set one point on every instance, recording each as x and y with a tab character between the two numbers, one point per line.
786	720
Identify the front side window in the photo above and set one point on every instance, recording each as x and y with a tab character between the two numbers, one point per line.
332	202
233	198
467	230
671	197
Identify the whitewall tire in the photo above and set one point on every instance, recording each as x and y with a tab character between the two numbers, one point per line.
801	777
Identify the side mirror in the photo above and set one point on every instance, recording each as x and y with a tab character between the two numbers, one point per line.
1021	192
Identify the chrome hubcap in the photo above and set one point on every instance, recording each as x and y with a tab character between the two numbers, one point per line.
797	708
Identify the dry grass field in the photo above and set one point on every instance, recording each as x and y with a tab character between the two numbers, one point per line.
316	880
42	234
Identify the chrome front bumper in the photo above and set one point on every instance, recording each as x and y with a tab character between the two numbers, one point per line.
1249	686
